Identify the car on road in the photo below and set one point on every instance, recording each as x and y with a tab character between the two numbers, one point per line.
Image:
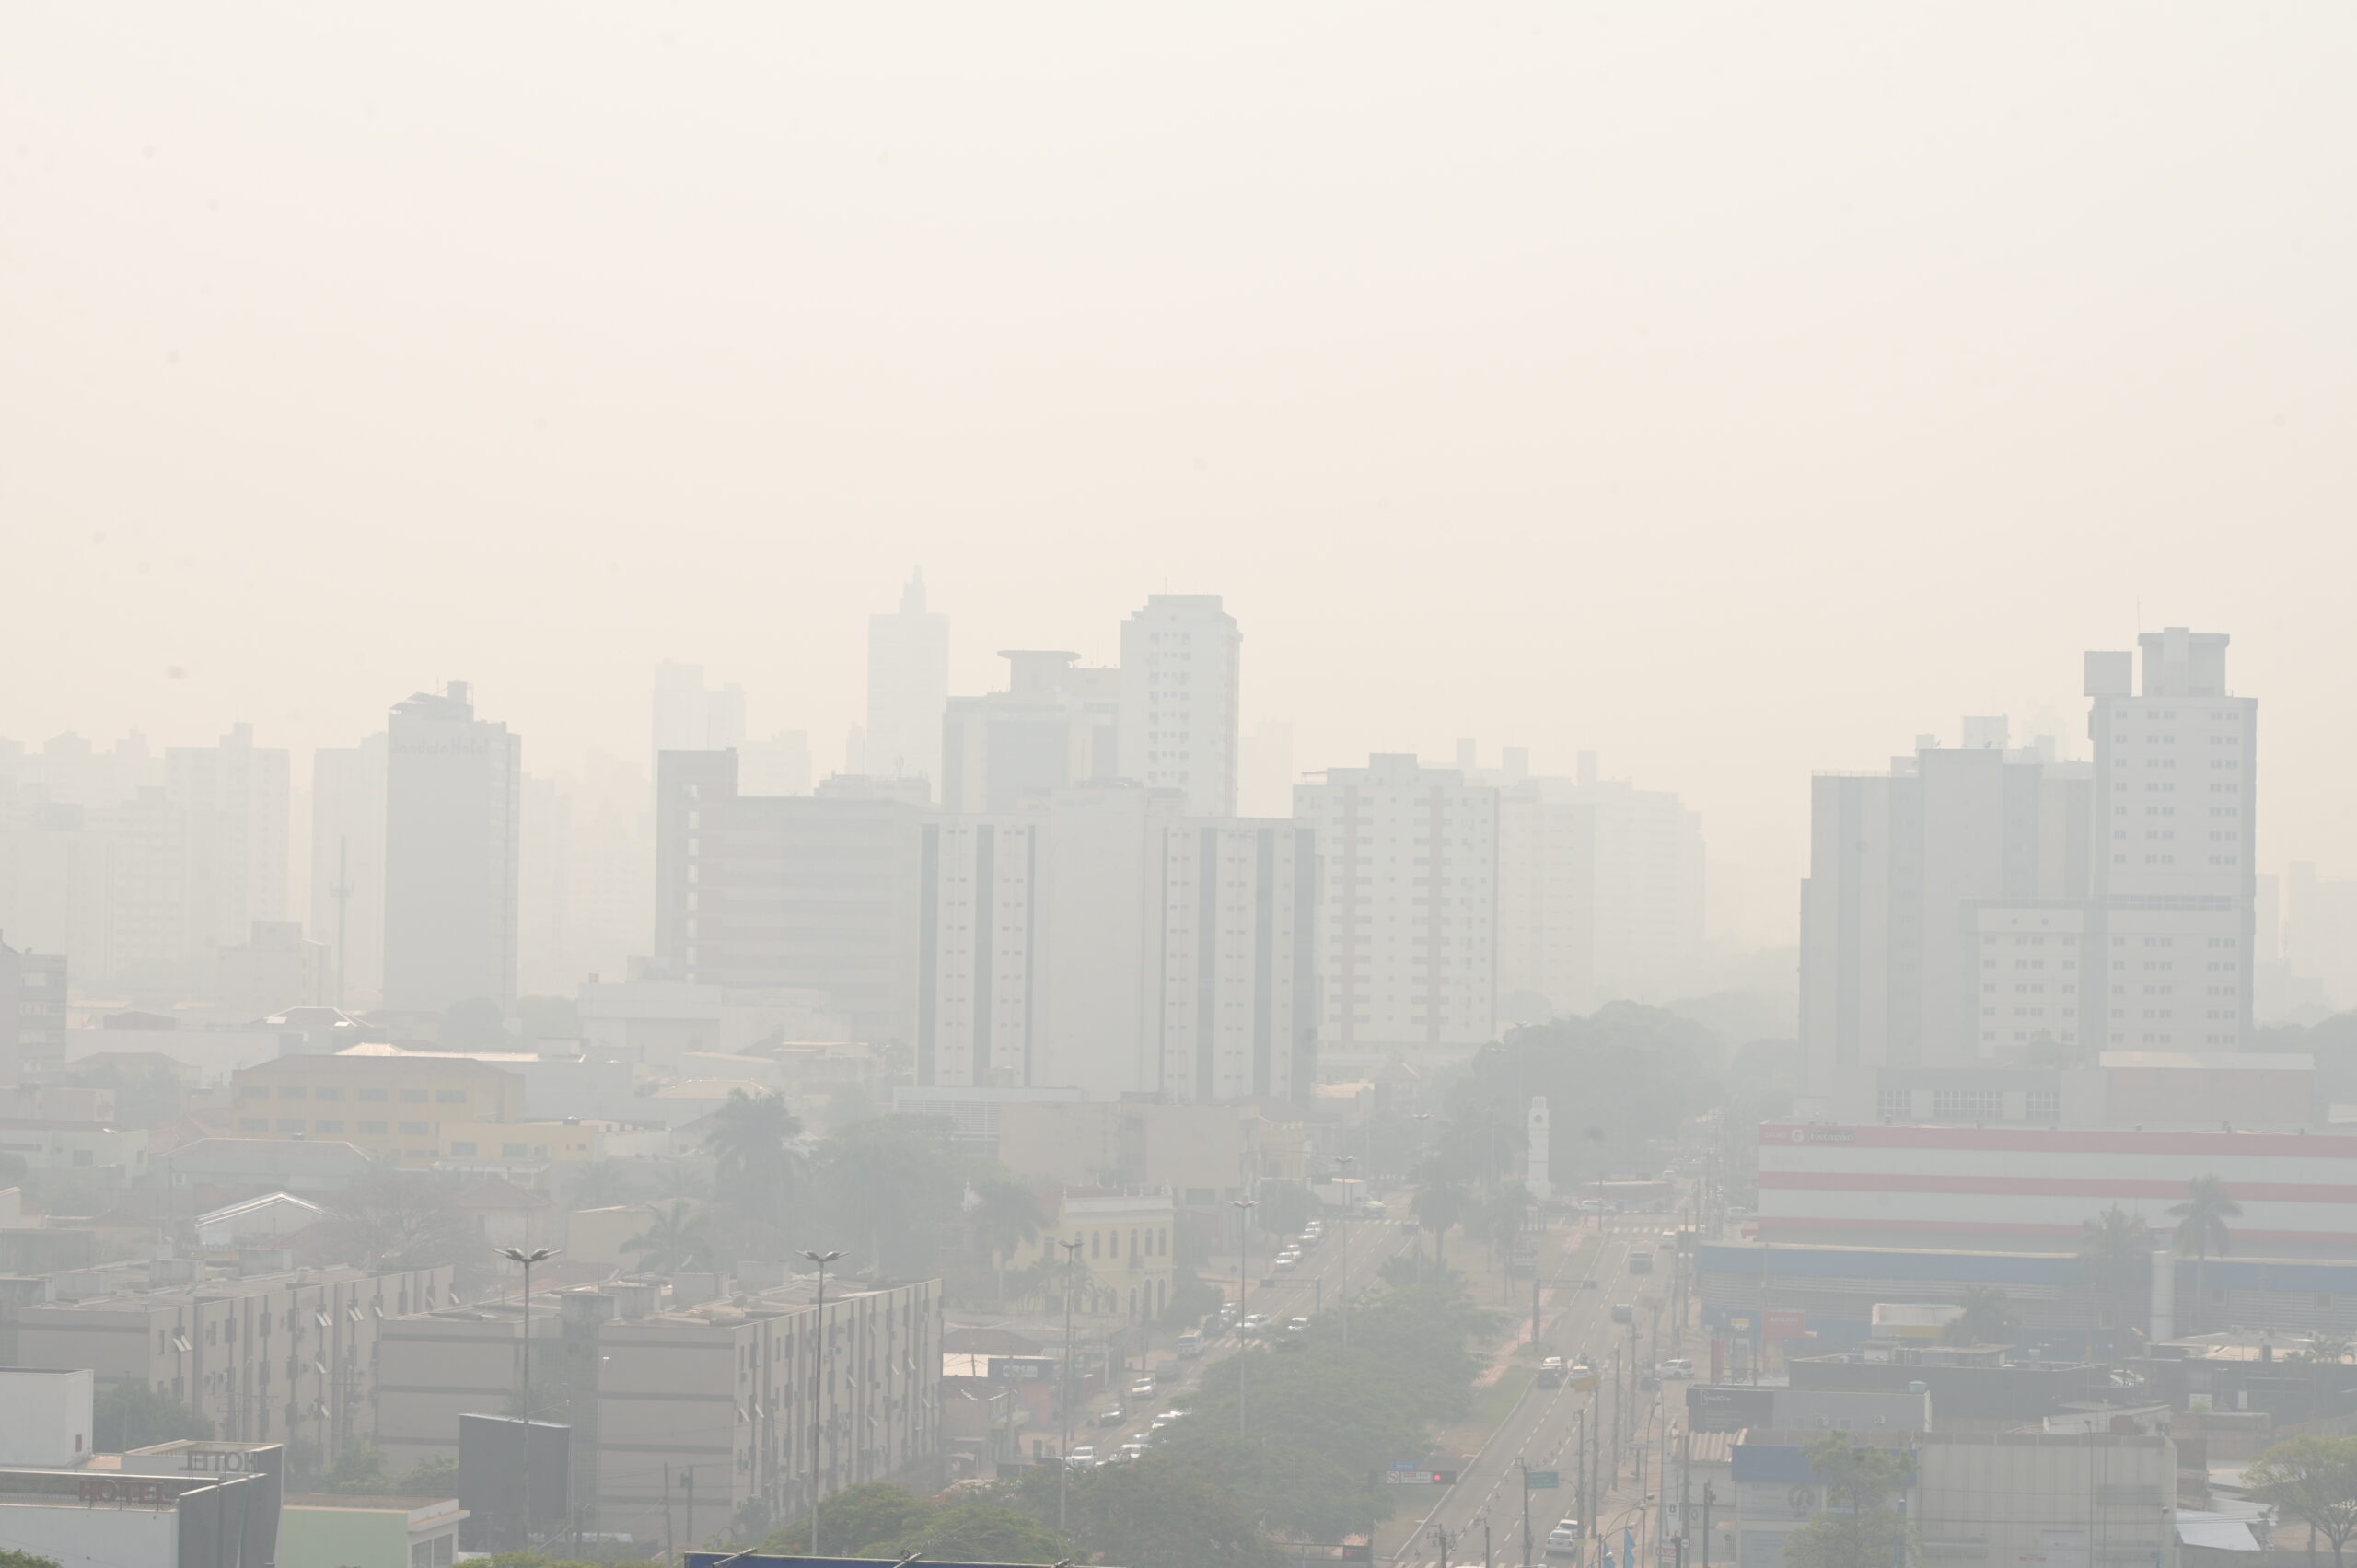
1113	1417
1551	1373
1624	1313
1288	1261
1677	1367
1165	1419
1297	1325
1253	1324
1372	1207
1132	1450
1191	1344
1082	1457
1591	1205
1563	1540
1669	1238
1141	1388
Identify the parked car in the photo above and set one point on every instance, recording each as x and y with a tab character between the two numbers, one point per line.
1132	1450
1165	1419
1113	1417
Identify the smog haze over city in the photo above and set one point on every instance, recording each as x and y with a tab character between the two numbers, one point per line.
1187	782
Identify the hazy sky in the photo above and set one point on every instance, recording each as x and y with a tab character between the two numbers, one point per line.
1736	389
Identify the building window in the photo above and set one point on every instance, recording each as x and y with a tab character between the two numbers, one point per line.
2042	1105
1958	1105
377	1127
412	1096
327	1094
1894	1105
462	1148
372	1095
290	1091
290	1125
253	1124
413	1129
450	1097
324	1124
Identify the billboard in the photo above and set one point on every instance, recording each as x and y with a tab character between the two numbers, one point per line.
1728	1407
495	1483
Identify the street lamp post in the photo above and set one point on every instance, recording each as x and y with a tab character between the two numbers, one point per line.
524	1404
1063	1456
1243	1207
817	1390
1344	1162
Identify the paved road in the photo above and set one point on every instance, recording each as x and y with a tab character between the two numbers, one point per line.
1293	1294
1543	1428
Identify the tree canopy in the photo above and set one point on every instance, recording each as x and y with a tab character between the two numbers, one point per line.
132	1416
2313	1479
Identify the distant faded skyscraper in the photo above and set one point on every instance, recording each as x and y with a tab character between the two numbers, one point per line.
1179	688
908	688
688	716
453	798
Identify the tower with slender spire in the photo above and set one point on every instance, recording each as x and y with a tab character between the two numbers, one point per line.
908	688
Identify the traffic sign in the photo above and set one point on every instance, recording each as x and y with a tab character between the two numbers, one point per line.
1542	1480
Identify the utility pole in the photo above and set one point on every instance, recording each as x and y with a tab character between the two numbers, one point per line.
1243	1207
688	1484
1064	1455
524	1399
1617	1404
1525	1511
1587	1470
817	1388
1710	1495
1442	1538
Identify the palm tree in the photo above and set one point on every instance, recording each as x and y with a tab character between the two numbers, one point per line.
1001	1215
603	1184
1438	1204
750	1142
2329	1350
2115	1245
1988	1318
674	1239
2201	1229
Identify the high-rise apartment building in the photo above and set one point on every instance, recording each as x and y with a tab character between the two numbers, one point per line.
803	892
1409	879
347	892
453	807
1054	725
1105	939
233	798
908	688
1983	905
32	1010
1599	891
1181	687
